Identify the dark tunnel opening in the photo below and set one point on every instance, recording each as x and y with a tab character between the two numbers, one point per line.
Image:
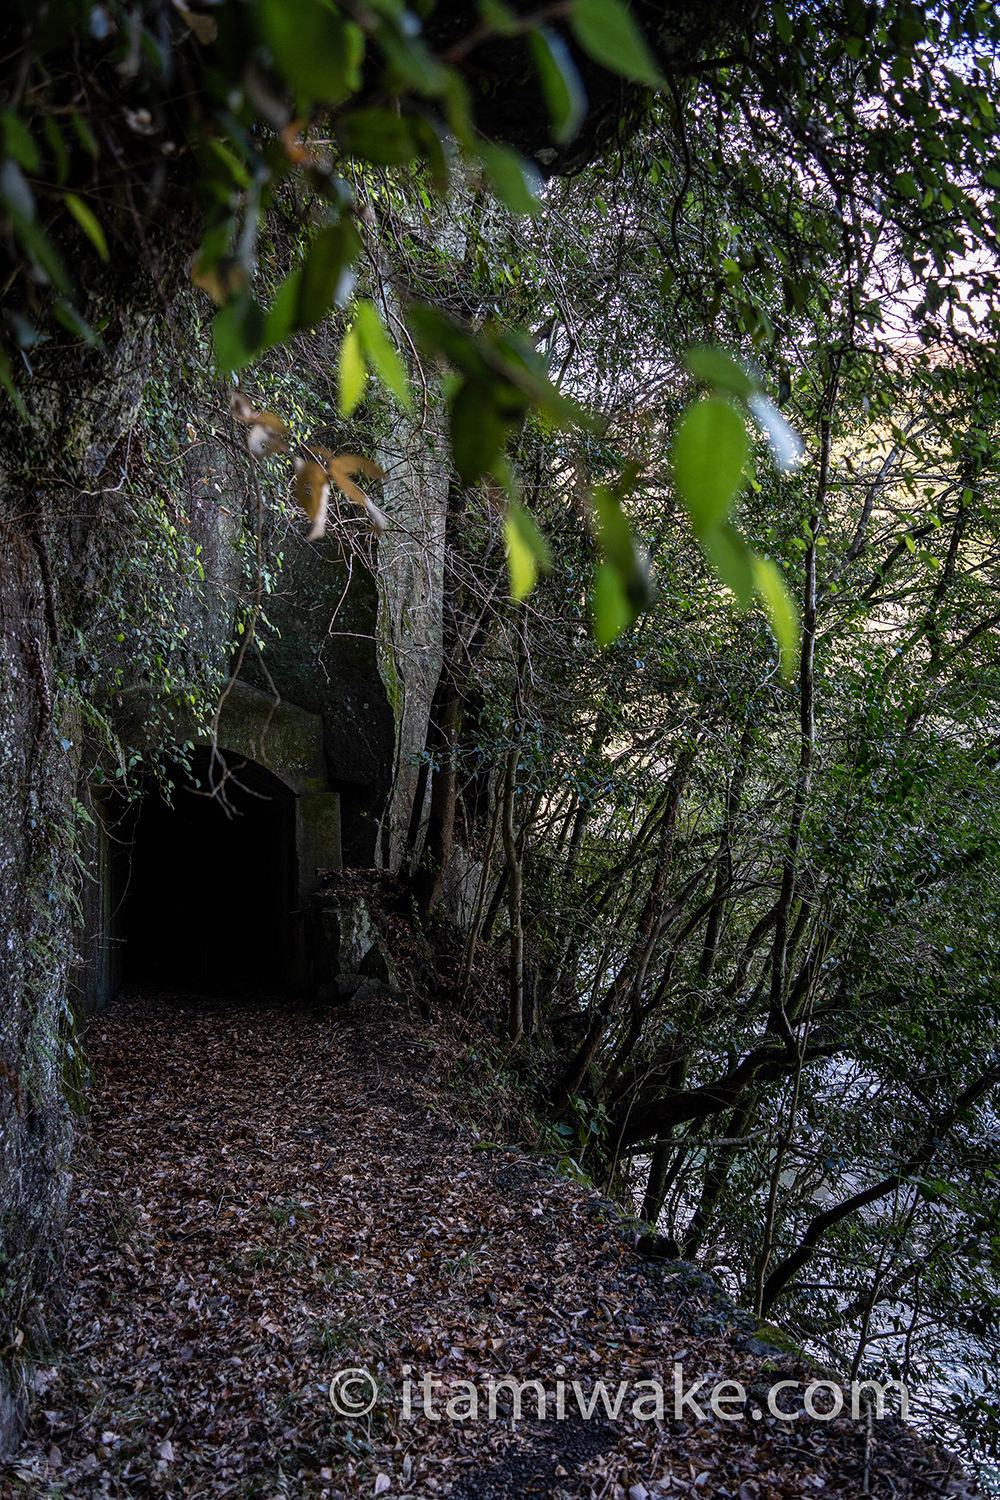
208	883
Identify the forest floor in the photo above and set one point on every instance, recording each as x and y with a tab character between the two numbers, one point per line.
265	1195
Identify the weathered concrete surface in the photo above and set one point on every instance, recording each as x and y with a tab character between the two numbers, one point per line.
37	780
54	555
285	738
290	742
321	655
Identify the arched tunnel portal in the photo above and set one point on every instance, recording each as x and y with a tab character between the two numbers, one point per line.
204	883
210	887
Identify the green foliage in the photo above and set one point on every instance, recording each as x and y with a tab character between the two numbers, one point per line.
709	460
527	550
765	915
622	586
560	82
606	29
726	870
267	76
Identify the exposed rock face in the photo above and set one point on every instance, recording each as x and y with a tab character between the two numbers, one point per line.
348	935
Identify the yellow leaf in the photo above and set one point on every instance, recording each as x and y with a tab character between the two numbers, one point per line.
520	561
205	28
266	432
352	371
781	611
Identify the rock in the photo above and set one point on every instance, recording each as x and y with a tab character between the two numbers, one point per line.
11	1421
377	964
346	986
373	990
347	935
658	1247
460	887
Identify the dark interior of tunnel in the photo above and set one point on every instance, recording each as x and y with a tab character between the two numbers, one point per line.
206	883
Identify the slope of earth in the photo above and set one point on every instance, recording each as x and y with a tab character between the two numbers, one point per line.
266	1196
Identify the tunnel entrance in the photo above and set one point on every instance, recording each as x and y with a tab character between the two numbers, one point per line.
209	884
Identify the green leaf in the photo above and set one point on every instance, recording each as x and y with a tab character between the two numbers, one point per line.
781	611
478	431
377	135
527	550
237	333
318	53
18	143
717	369
732	560
623	559
283	310
381	354
513	179
613	531
500	17
7	382
352	373
65	313
561	85
327	277
605	29
709	456
47	262
88	223
439	334
57	146
610	607
410	62
458	110
85	135
431	146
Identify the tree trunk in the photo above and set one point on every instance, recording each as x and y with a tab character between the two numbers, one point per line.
446	718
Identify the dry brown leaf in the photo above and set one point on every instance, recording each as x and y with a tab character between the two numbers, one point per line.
312	490
266	432
297	151
341	468
205	28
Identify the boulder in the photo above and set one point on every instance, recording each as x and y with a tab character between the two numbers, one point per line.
377	964
348	935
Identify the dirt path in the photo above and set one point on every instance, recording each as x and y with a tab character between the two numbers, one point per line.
266	1196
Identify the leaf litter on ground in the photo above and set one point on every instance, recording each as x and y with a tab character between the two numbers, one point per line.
266	1194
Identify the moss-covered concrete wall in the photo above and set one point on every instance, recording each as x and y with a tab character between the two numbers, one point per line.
37	781
118	570
57	543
